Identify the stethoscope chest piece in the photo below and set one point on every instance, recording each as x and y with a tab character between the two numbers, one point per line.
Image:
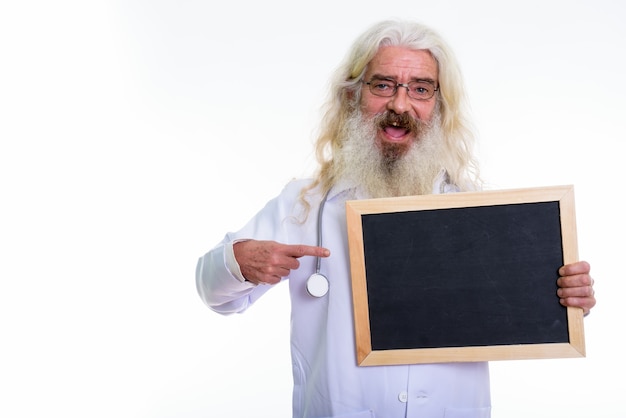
317	285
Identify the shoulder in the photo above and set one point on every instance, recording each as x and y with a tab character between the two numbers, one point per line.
291	196
295	186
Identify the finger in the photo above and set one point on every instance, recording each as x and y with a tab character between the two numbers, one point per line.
568	292
584	303
579	267
272	275
266	279
307	250
281	259
578	280
282	269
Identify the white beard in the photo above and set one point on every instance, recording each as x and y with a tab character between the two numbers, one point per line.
363	164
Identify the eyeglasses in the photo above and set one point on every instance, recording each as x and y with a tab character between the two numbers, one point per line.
418	90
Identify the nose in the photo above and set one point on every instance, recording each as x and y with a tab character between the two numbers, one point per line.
399	102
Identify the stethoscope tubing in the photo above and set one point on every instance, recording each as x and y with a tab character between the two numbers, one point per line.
317	284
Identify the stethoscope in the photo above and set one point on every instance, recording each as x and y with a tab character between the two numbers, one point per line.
317	284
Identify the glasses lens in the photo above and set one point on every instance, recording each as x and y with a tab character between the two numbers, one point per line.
421	90
382	87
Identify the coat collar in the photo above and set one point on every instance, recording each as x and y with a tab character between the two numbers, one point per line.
347	191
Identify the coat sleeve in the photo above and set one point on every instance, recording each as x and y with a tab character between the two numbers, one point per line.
219	289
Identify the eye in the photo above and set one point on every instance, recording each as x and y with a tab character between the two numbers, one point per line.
382	85
421	89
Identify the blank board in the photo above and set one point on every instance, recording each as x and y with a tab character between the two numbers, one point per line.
463	276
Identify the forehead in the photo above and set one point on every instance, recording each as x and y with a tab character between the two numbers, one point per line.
403	64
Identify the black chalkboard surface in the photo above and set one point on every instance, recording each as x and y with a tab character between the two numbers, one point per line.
463	277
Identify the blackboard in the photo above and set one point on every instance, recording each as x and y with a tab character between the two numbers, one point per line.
463	277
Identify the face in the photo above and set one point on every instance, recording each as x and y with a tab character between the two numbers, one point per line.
401	65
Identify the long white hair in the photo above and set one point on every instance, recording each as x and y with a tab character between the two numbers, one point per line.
345	94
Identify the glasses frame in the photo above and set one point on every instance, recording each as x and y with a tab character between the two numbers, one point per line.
405	85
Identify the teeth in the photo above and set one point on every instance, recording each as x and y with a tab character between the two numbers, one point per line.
395	123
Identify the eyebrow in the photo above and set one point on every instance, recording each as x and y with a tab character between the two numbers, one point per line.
386	77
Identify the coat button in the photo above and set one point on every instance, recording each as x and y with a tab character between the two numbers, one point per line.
403	396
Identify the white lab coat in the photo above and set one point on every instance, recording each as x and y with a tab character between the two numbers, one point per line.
327	380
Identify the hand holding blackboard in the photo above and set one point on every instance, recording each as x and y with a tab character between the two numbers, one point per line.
576	286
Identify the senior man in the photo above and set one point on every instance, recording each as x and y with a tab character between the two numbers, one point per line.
394	125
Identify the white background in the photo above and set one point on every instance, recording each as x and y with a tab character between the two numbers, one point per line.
135	134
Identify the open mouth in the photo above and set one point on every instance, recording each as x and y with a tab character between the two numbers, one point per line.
397	127
395	131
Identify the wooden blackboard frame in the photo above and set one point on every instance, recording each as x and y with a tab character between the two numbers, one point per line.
366	356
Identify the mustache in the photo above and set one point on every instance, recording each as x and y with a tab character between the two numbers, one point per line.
404	121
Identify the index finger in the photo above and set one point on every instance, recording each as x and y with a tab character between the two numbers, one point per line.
302	250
